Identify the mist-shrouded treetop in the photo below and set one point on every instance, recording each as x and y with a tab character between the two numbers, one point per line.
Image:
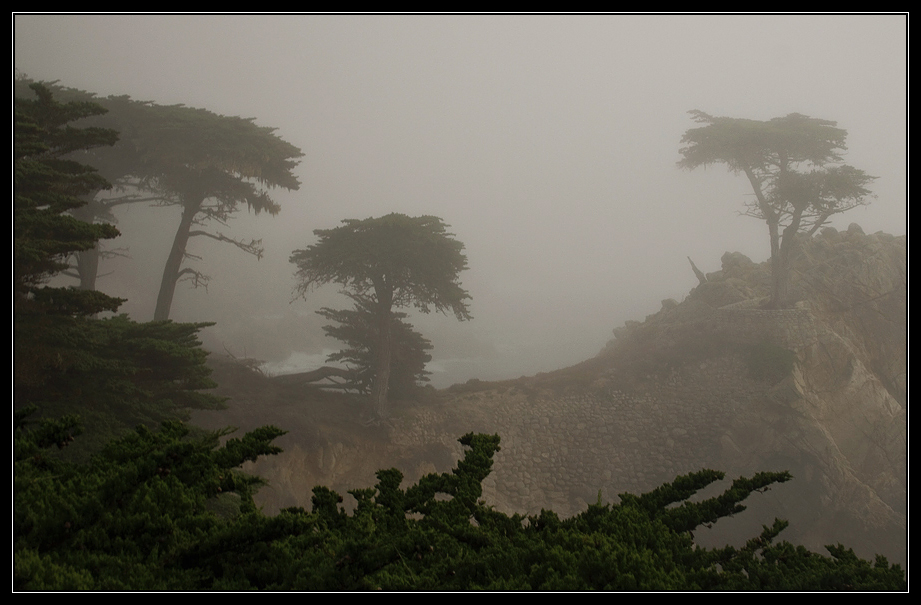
401	260
795	167
392	262
208	164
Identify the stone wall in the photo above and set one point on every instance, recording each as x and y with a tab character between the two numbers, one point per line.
742	324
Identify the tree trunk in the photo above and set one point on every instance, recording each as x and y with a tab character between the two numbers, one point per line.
782	258
384	349
88	267
382	372
174	262
777	269
780	282
88	260
781	291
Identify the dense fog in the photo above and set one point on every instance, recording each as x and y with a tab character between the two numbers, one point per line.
548	144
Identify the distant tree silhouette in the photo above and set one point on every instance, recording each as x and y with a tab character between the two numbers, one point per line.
796	170
388	262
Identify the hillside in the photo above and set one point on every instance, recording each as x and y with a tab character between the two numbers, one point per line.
711	382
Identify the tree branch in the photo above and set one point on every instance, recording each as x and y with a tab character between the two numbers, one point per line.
253	247
197	278
130	199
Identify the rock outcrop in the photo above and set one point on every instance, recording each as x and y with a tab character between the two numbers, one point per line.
715	381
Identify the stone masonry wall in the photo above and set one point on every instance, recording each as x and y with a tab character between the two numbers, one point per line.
742	324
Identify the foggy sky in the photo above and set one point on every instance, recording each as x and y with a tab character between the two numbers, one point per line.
548	143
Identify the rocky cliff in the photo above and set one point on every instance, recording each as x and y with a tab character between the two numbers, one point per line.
712	382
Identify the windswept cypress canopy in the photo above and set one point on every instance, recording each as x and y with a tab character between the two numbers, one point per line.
795	167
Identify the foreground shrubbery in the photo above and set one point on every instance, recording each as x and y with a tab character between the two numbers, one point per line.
166	510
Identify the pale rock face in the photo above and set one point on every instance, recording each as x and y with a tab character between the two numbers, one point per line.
843	436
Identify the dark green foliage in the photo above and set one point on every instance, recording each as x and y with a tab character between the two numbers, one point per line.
113	372
384	263
358	330
46	186
139	517
640	544
768	361
396	260
654	352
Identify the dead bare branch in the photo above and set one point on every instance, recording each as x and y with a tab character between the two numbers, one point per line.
197	278
253	247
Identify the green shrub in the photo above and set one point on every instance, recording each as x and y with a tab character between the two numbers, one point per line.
768	361
141	516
